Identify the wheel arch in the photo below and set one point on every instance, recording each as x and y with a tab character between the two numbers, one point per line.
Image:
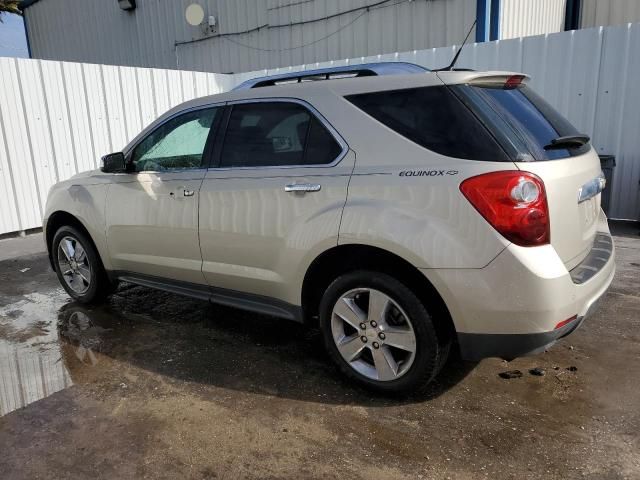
59	219
348	257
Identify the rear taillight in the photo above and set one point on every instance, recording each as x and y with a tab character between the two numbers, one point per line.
514	203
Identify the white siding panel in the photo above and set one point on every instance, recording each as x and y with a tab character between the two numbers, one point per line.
114	107
175	88
596	13
9	220
188	86
85	155
59	118
520	18
584	70
59	126
146	94
535	59
98	119
18	145
130	100
201	84
626	197
36	117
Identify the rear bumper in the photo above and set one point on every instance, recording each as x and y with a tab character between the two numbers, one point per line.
476	346
511	307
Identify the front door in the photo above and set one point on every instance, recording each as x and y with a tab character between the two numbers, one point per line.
152	212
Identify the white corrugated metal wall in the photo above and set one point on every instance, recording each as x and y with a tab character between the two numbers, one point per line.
98	31
522	18
58	118
609	12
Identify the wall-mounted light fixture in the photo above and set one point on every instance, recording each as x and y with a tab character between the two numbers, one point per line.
127	4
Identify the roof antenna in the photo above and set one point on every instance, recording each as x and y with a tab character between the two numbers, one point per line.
455	58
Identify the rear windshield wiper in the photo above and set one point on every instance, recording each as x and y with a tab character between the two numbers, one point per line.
570	141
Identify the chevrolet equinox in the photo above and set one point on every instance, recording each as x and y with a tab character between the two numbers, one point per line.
404	212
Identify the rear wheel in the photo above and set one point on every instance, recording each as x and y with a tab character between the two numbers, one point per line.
78	266
379	333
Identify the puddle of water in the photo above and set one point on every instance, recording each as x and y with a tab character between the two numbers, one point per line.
47	341
31	365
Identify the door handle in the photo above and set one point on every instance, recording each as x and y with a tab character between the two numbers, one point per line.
302	187
188	193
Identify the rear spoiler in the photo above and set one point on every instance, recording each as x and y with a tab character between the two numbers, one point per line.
504	79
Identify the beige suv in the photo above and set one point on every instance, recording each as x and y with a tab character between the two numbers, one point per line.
400	210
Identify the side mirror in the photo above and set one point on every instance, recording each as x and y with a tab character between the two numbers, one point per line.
112	163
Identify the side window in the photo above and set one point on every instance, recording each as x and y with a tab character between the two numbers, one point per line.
177	144
434	118
265	134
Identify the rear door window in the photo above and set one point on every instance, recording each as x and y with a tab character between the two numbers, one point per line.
264	134
435	118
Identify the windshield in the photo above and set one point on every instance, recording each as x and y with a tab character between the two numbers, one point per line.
522	121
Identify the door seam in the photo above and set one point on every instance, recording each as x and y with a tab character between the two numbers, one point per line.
198	230
346	197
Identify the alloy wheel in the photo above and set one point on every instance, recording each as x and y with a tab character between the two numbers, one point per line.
373	334
74	264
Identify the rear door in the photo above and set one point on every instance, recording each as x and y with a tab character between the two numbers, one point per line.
527	126
274	200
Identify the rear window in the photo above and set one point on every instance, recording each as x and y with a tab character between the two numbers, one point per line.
435	118
523	122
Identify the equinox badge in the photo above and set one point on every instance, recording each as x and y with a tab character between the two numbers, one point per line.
427	173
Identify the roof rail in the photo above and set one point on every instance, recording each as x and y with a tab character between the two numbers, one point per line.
361	70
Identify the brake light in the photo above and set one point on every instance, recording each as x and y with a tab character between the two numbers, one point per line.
514	81
514	203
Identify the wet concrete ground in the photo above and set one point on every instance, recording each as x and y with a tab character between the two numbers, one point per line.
153	385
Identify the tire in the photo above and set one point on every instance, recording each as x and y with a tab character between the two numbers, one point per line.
413	370
87	281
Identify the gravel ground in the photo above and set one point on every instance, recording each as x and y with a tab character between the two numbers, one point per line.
152	385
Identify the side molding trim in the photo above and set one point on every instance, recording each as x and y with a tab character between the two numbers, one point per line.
230	298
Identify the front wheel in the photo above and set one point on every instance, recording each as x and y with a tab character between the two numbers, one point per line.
379	333
78	266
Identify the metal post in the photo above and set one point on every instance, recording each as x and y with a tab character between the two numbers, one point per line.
483	15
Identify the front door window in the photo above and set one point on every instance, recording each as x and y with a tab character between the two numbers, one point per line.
178	144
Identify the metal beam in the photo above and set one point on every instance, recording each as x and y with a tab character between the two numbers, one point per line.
483	15
572	15
495	20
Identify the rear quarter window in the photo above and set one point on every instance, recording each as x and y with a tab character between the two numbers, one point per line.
434	118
